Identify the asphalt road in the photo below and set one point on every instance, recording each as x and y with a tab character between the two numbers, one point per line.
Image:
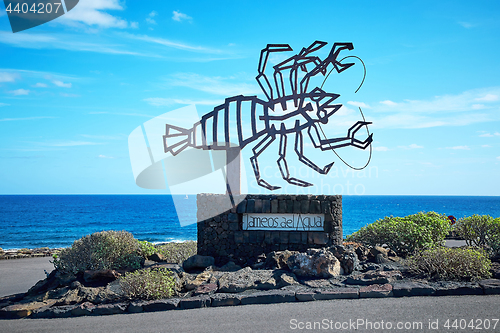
290	317
18	275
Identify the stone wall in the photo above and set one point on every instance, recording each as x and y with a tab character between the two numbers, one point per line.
222	236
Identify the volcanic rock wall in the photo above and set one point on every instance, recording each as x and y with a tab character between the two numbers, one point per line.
222	235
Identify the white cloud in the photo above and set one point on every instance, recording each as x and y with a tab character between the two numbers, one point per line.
26	39
73	42
359	104
446	110
178	16
104	137
134	25
156	101
4	104
166	42
388	103
488	135
498	158
486	146
214	85
488	98
19	92
344	111
8	77
429	164
459	148
150	19
412	146
27	118
61	84
39	74
466	25
126	114
402	120
64	42
443	104
92	13
69	95
381	148
70	143
40	85
104	156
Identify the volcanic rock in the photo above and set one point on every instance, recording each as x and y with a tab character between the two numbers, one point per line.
197	262
347	257
158	257
374	277
230	267
198	281
318	263
246	278
490	286
376	290
103	275
278	259
22	310
204	289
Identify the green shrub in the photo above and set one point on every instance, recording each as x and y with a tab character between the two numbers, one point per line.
495	239
405	235
451	264
100	250
148	284
481	231
147	249
178	252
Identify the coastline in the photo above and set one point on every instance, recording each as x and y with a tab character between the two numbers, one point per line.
28	253
40	252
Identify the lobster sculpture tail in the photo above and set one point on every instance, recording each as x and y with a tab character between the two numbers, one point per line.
176	139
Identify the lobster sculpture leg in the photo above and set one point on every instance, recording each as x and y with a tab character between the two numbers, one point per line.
257	150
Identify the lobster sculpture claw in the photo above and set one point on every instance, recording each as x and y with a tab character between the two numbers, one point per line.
279	116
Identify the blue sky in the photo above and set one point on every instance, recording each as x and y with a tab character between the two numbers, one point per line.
72	90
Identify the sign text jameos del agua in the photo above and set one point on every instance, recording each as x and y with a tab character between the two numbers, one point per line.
298	222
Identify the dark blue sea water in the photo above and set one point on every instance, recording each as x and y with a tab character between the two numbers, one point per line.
57	220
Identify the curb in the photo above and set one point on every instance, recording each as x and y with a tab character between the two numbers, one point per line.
396	289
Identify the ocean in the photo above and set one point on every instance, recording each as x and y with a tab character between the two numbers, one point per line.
31	221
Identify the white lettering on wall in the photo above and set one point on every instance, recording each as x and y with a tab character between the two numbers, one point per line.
298	222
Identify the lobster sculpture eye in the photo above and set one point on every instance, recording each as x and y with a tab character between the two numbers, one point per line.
322	115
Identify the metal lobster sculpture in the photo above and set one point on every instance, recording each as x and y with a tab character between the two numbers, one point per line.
279	116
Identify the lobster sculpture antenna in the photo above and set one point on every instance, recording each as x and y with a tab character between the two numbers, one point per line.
310	109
